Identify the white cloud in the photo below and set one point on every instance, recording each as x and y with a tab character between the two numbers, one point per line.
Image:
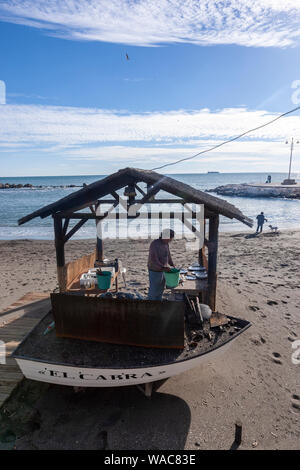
69	126
151	22
145	139
254	151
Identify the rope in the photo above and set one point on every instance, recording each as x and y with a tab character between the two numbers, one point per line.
227	141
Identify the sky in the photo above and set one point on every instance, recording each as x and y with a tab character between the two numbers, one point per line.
91	86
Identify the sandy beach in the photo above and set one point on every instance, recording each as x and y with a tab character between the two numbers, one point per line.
254	381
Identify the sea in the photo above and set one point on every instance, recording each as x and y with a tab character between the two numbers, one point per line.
16	203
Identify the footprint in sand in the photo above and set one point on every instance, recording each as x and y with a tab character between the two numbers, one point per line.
275	357
272	302
292	336
296	402
257	340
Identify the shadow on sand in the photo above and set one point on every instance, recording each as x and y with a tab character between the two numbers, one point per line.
56	417
264	235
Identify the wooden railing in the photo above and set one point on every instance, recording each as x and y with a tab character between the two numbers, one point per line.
67	273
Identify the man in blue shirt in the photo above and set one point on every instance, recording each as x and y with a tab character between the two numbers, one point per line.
260	222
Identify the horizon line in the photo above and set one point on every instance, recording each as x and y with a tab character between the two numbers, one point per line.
179	173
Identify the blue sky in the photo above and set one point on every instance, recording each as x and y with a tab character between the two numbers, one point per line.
198	73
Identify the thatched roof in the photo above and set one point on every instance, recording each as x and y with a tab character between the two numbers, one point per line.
90	193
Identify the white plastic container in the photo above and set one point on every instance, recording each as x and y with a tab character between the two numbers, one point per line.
88	280
92	271
83	280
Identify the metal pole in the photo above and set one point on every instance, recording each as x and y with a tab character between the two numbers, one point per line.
292	145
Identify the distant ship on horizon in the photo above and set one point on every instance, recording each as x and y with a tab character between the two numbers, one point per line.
209	172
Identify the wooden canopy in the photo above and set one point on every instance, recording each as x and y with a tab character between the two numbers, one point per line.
90	196
92	192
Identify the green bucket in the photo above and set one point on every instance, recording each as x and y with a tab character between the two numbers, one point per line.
104	280
172	278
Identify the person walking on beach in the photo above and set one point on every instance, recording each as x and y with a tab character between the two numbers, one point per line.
260	222
159	261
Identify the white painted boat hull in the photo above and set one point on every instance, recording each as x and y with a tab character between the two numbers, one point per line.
104	377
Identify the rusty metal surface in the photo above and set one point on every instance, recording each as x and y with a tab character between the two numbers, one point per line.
218	319
133	322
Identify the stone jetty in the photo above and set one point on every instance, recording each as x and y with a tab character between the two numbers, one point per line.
31	186
258	190
14	186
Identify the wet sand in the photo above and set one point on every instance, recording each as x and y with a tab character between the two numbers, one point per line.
254	381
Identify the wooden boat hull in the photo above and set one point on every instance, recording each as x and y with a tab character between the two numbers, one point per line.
65	374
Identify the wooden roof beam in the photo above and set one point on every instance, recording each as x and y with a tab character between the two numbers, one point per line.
85	196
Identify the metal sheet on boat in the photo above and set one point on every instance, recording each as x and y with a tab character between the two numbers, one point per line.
132	322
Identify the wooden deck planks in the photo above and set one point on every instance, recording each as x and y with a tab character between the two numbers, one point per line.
15	323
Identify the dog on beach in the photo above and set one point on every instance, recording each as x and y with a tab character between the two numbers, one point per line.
273	229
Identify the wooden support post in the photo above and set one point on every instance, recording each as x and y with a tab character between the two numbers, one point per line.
237	435
59	241
144	216
238	432
212	261
60	251
74	230
199	310
99	244
146	389
160	222
151	193
201	255
139	190
65	226
115	195
203	258
99	248
149	221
